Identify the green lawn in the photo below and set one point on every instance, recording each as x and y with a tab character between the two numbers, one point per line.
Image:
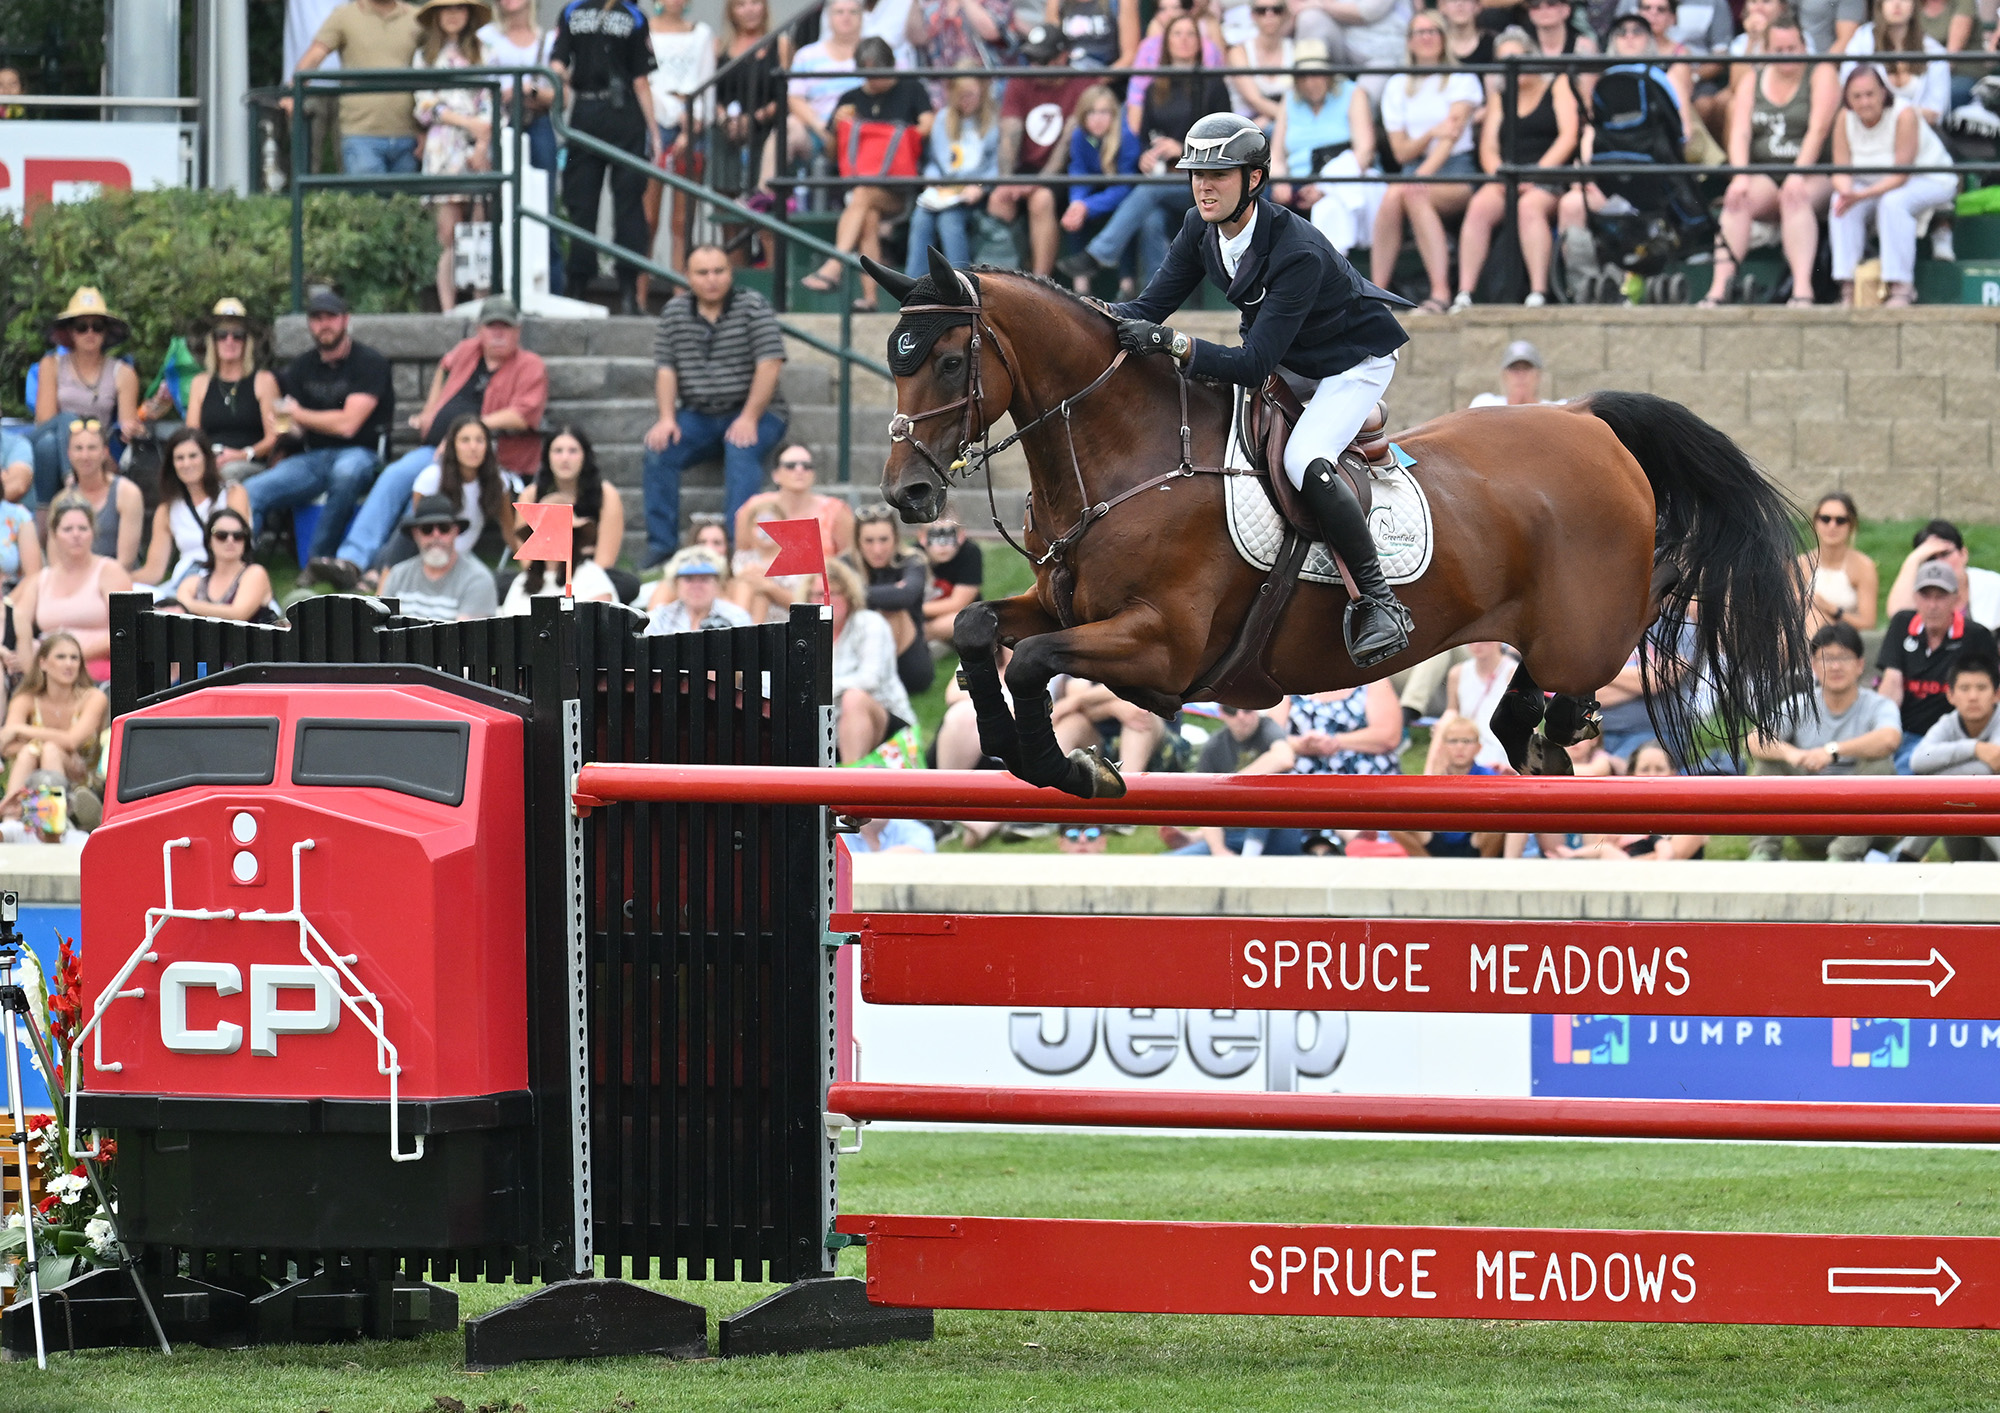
1044	1361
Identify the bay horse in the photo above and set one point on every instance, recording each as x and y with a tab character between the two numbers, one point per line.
1567	532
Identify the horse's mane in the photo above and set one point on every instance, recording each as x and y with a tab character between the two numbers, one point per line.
1043	282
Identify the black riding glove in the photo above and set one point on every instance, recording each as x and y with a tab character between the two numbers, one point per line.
1141	336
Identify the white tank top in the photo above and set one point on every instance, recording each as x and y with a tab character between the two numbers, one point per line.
1477	696
188	529
1876	146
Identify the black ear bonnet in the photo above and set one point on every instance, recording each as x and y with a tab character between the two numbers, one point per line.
910	341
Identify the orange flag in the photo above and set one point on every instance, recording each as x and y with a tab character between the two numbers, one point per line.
800	550
552	536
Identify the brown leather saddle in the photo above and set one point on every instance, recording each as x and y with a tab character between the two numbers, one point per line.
1272	412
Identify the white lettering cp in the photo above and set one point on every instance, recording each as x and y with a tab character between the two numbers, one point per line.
268	1020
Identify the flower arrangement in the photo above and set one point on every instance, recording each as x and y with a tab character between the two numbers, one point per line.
72	1233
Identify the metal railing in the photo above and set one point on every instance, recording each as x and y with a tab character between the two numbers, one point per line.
489	185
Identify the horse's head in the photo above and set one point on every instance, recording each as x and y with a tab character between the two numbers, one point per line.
948	389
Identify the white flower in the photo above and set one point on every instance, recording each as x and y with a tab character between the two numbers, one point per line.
17	1219
103	1244
70	1188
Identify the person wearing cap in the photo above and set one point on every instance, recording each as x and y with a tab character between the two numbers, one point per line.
1033	115
339	397
378	131
232	402
488	376
1920	648
1304	308
1520	378
697	574
80	380
457	122
1979	591
440	583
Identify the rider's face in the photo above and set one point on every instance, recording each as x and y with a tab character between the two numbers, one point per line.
1216	193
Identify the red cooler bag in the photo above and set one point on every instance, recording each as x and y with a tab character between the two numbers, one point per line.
877	149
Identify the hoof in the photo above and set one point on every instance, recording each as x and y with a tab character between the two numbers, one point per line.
1094	777
1545	757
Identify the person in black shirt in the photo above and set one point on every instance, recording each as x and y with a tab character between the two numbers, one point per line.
1919	651
339	398
1250	743
958	572
888	99
605	51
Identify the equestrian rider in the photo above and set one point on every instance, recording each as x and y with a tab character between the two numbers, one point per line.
1305	308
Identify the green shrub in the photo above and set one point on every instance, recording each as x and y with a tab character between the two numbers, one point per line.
163	258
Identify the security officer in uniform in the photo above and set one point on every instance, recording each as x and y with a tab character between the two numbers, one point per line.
604	50
1304	307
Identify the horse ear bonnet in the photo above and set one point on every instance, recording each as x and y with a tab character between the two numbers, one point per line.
910	341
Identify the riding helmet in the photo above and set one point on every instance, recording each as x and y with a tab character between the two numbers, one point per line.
1224	140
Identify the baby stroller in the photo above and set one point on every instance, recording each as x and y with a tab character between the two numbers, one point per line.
1645	221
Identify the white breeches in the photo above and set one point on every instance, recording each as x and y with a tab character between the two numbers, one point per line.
1896	214
1335	413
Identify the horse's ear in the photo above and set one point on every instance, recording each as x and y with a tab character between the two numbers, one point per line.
896	282
945	279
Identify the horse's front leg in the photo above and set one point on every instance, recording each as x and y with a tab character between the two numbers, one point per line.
1128	650
977	633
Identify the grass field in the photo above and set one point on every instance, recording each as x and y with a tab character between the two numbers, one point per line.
1244	1365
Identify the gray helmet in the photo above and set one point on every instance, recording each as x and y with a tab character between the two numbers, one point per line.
1224	140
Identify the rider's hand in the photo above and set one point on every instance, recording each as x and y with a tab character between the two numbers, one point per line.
1143	336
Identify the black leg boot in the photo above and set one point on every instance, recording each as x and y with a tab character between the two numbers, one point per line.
1377	626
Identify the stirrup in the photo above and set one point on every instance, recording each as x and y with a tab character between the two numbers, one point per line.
1400	620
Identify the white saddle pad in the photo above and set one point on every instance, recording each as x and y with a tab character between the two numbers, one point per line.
1400	520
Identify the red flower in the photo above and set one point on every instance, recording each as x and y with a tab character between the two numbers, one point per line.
46	1203
38	1122
107	1149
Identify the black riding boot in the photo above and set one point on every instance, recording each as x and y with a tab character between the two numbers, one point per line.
1377	626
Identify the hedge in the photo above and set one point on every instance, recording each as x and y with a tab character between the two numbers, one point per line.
162	259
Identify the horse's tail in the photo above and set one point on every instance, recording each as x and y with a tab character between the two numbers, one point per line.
1729	647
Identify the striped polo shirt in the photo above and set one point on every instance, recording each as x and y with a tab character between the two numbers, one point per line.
714	363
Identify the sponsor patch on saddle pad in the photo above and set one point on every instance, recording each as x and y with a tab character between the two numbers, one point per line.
1400	520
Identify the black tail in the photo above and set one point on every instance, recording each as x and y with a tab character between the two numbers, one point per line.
1729	647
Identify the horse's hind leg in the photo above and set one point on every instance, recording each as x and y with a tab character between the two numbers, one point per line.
1516	715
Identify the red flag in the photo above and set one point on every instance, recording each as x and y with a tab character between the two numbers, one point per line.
552	536
800	550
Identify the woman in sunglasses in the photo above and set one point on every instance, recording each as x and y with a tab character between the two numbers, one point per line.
233	403
1262	96
191	492
81	379
229	585
1843	579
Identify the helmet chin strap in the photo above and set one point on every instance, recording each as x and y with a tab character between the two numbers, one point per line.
1243	202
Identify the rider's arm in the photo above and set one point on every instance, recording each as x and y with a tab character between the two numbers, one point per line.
1289	291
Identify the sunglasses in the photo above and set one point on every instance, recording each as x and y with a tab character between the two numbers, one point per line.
424	532
1426	32
1087	835
1831	519
1267	9
795	465
86	424
89	326
220	535
230	336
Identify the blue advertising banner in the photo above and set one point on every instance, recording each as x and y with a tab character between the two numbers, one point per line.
1853	1058
39	926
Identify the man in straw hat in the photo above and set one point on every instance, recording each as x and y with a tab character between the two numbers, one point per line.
378	131
81	380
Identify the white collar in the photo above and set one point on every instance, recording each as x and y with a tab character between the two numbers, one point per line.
1232	247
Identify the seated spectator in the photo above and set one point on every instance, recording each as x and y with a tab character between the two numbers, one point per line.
1631	38
1102	34
1466	41
1082	839
1326	128
1151	215
227	584
80	380
546	579
1250	743
1520	378
55	722
1590	758
892	836
1954	24
73	591
457	123
697	605
1559	30
1472	689
1101	143
1964	741
709	531
1541	130
1365	33
1876	130
193	492
1919	650
1843	579
1979	596
115	501
232	402
340	398
11	87
961	34
1429	122
487	379
1034	118
868	696
440	583
1757	16
20	548
811	101
898	581
1089	714
958	574
886	103
569	475
1152	50
1783	113
1262	96
1697	29
467	469
963	157
1625	724
1357	731
1651	759
718	357
1456	744
768	599
1894	27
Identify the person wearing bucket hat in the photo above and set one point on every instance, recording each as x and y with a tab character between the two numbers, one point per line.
378	131
697	574
440	583
232	402
457	122
80	380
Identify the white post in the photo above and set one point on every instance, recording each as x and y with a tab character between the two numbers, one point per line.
142	56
